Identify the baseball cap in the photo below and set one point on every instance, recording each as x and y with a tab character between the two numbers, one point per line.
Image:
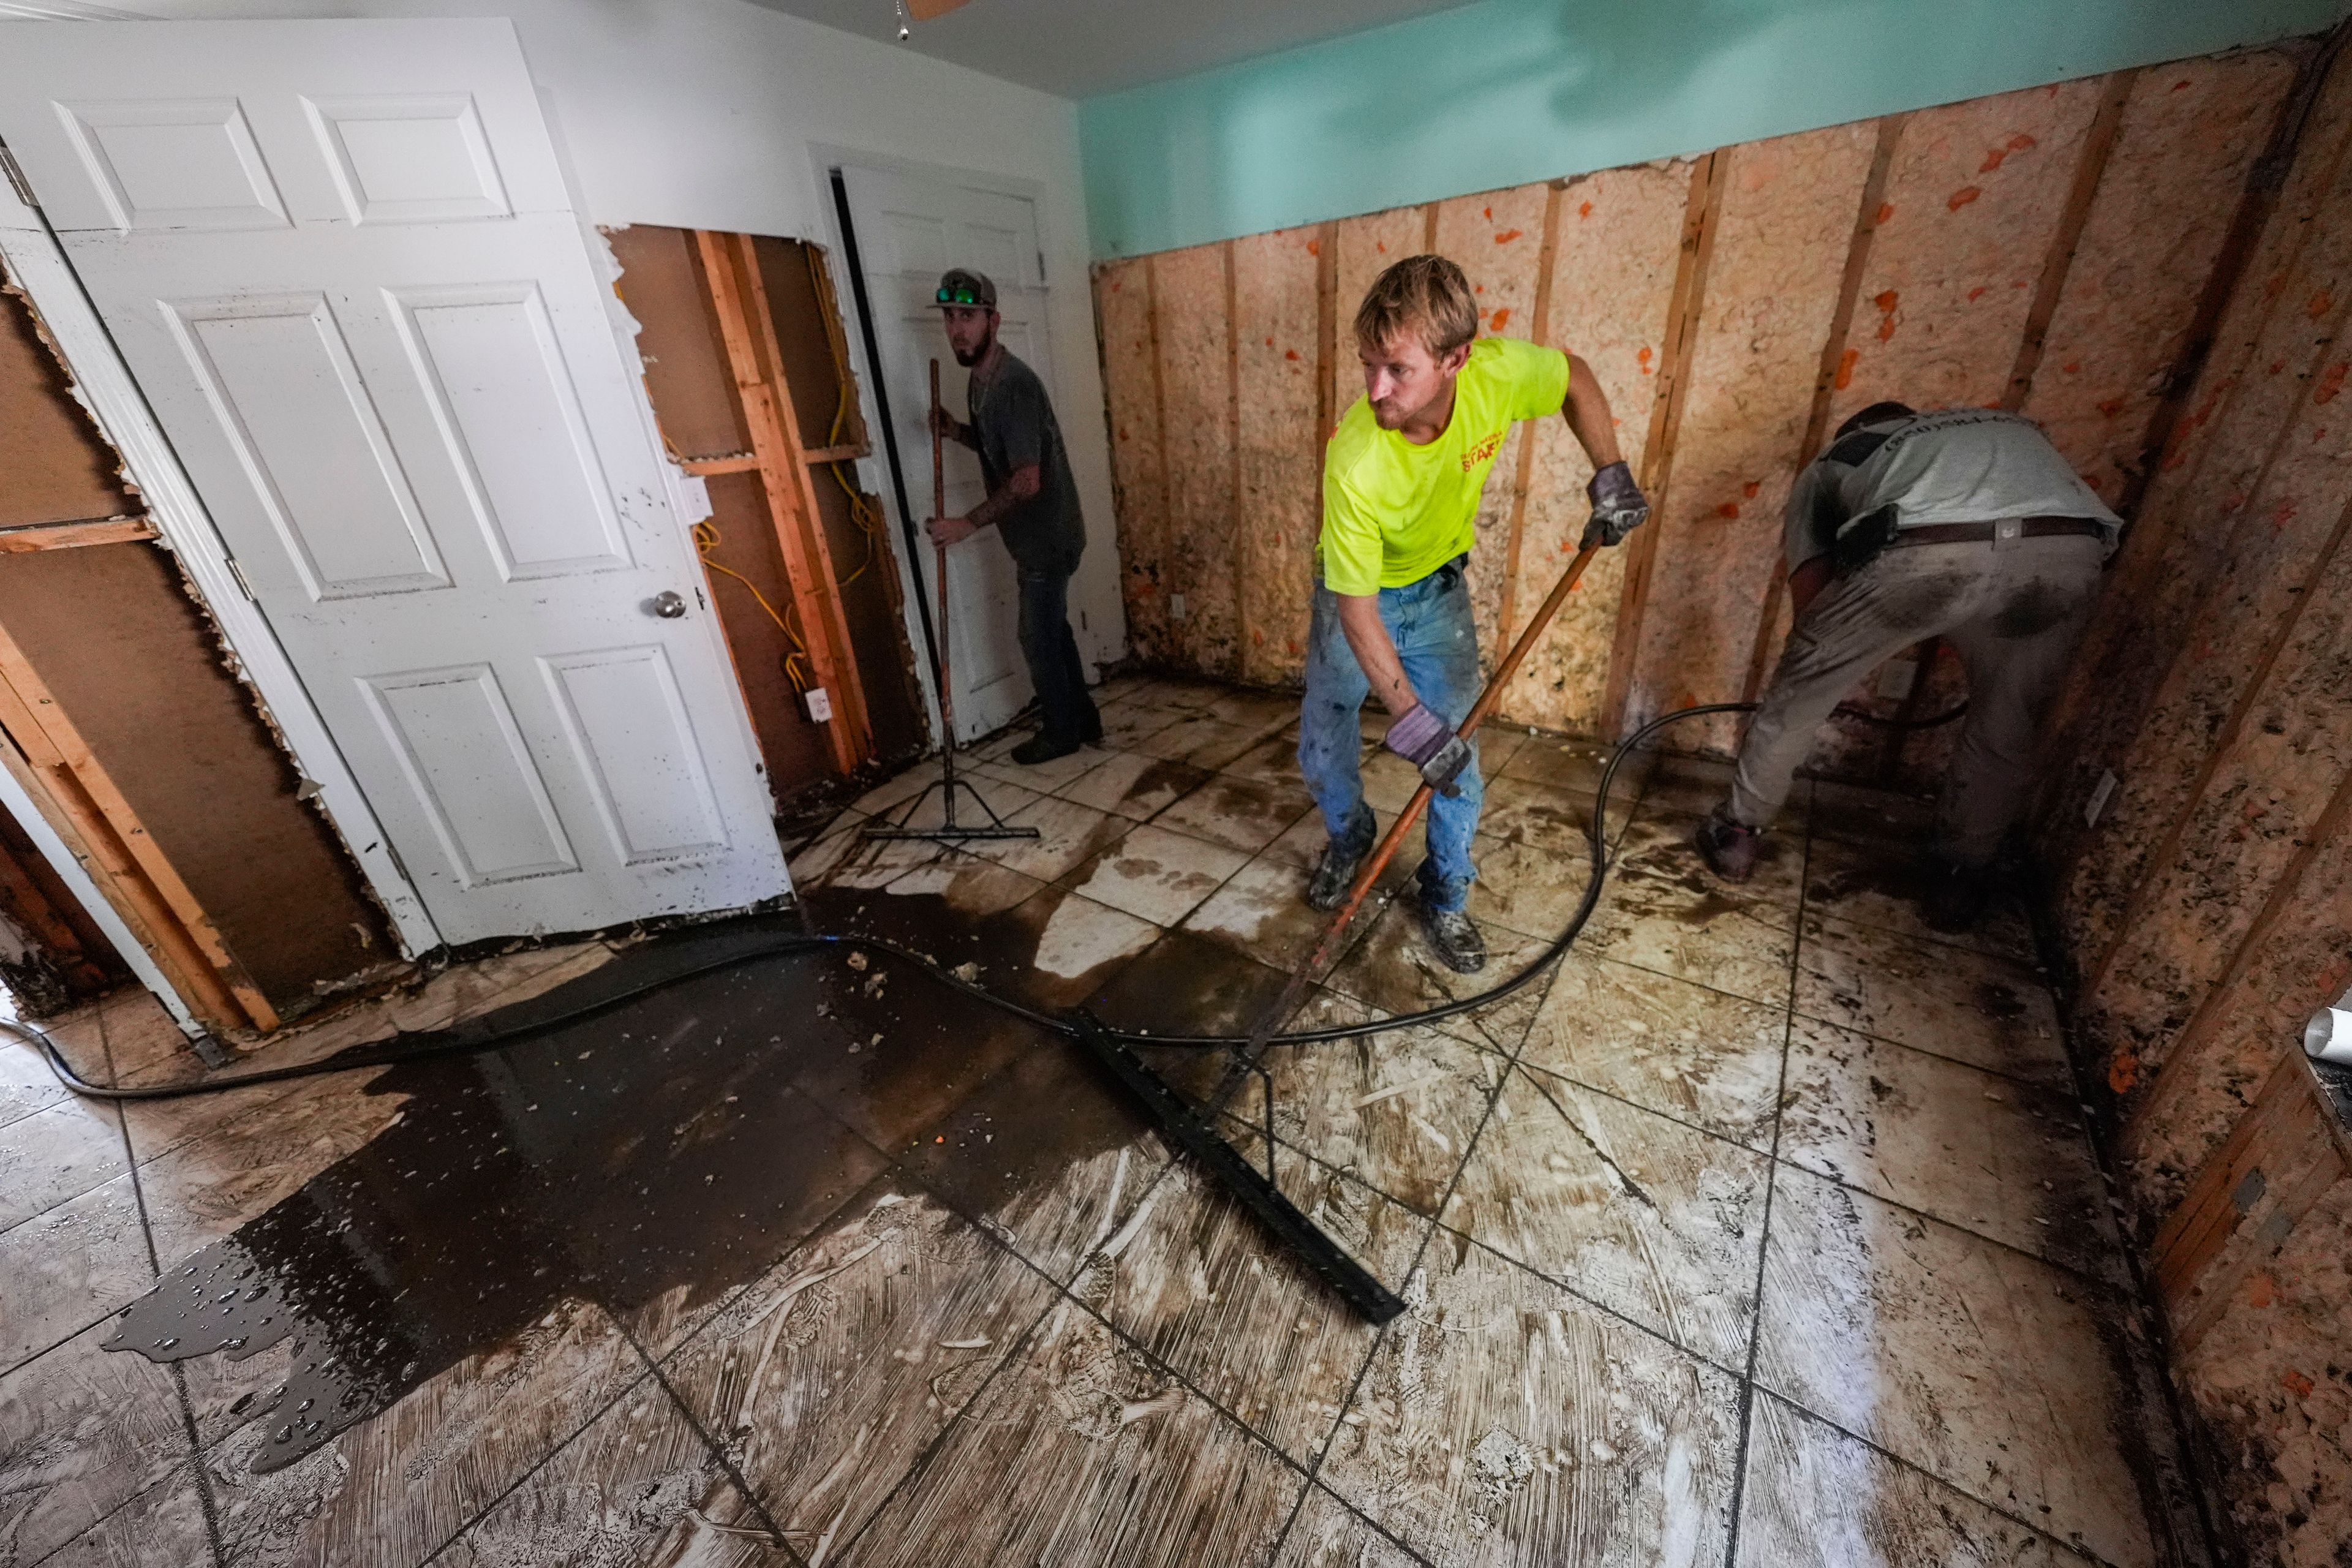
960	286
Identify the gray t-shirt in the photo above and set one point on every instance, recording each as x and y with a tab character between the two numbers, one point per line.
1959	465
1013	420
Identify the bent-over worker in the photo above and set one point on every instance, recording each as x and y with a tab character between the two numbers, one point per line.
1032	503
1965	524
1402	479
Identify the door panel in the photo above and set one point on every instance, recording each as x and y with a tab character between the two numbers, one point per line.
923	226
349	287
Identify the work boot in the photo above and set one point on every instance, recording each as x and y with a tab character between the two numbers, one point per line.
1955	898
1090	728
1334	874
1041	748
1729	848
1457	943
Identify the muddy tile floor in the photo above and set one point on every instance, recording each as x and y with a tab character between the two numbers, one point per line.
1763	1231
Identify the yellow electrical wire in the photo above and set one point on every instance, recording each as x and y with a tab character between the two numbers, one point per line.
705	539
862	513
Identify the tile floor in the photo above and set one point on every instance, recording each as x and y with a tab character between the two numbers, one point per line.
1765	1231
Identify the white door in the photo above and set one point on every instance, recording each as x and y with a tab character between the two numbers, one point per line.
911	228
342	264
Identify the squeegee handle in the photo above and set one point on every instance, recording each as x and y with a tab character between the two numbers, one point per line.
940	578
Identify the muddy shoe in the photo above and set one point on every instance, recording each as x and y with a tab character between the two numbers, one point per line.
1955	898
1090	733
1457	943
1730	850
1334	875
1041	748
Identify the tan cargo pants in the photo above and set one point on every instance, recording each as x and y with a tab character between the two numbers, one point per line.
2014	608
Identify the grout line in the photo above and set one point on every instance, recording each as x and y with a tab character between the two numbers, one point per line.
1892	1458
200	1472
710	1444
490	1506
1764	1240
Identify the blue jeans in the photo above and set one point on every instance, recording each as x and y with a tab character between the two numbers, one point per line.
1065	712
1437	640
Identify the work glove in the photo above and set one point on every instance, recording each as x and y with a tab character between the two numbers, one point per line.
1618	506
1429	743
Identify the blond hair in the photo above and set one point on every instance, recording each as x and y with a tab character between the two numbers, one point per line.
1423	294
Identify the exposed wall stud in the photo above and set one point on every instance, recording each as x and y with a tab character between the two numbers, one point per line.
1699	219
1546	260
2092	162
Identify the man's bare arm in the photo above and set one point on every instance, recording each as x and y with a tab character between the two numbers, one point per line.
1368	636
954	429
1587	415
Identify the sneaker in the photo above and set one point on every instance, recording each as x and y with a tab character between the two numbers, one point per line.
1955	898
1457	943
1333	874
1041	748
1729	848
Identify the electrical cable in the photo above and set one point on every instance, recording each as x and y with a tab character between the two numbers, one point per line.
464	1041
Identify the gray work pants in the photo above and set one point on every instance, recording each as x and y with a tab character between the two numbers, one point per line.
2014	608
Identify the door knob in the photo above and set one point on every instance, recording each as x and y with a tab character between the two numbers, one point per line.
667	604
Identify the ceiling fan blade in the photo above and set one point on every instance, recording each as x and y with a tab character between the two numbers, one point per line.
930	10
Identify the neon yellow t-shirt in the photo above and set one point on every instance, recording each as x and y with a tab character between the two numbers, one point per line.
1394	512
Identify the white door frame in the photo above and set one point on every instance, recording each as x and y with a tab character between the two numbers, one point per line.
873	470
103	383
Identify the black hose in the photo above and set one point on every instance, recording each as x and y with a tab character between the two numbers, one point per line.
463	1041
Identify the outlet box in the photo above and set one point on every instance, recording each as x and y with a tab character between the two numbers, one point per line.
819	705
2099	799
1175	606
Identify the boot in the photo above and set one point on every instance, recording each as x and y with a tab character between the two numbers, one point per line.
1455	940
1041	748
1729	848
1334	874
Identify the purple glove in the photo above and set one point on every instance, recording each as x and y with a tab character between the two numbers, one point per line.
1618	506
1429	743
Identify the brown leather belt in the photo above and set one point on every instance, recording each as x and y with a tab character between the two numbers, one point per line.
1983	532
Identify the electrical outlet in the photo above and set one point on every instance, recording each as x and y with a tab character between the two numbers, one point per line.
2099	798
1175	606
819	705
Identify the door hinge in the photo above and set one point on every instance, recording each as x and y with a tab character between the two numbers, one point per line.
397	864
1040	268
244	587
16	181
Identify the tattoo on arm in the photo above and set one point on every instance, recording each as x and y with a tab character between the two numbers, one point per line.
1018	486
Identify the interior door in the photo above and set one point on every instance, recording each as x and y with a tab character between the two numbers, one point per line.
911	228
340	262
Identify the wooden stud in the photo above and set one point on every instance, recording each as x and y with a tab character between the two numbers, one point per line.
2173	1074
74	535
2278	1161
2151	874
739	299
1233	460
1546	257
1171	559
1825	380
1700	216
29	908
1326	337
2264	182
1429	227
97	823
2097	143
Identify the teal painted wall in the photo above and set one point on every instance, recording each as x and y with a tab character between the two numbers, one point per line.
1507	91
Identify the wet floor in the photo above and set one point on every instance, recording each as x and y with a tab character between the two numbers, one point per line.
1765	1230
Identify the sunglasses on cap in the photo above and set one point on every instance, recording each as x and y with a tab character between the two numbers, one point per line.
962	294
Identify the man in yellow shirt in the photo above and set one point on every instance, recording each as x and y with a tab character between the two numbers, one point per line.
1401	481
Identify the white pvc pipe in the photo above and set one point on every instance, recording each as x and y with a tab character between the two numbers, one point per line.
2328	1037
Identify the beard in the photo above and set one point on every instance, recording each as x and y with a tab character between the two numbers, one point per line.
978	352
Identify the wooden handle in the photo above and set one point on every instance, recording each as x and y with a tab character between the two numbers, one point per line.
940	576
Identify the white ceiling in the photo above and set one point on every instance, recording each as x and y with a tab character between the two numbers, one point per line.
1077	49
